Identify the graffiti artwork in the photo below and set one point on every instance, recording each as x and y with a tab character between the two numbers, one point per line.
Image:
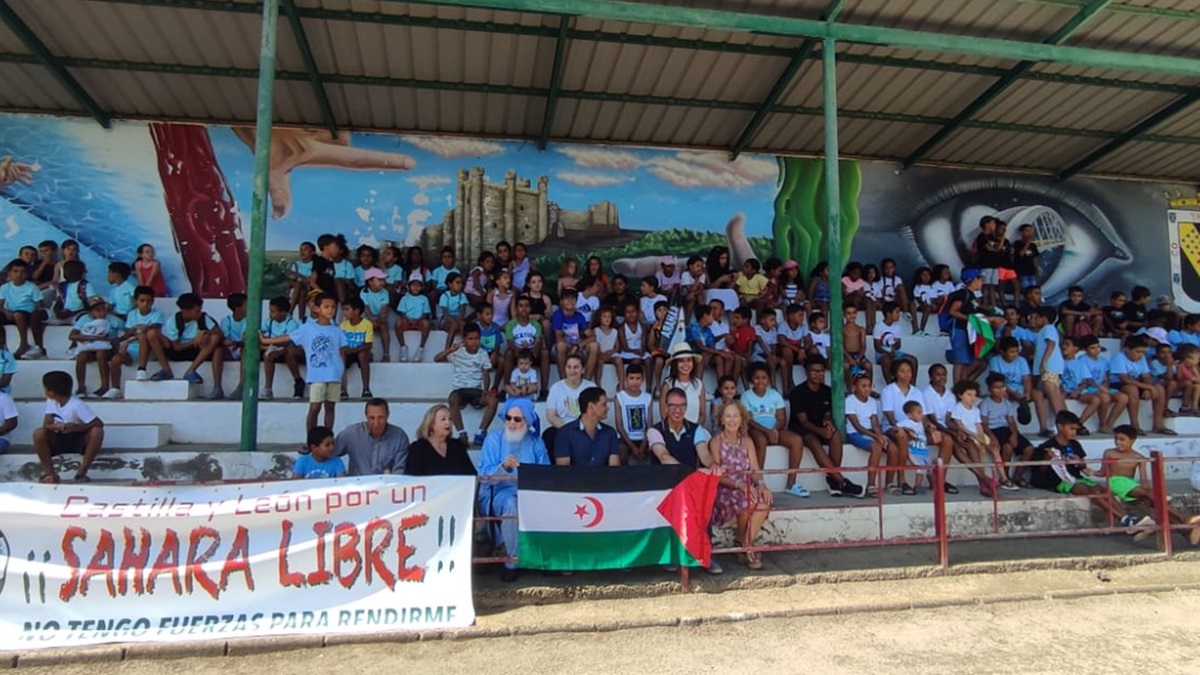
183	188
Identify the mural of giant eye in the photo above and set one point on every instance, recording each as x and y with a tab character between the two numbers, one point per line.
1077	241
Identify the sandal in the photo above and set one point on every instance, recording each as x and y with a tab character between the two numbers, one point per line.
949	488
907	490
1163	431
895	489
82	478
49	479
754	560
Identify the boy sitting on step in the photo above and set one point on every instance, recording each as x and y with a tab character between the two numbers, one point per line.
192	337
68	427
142	336
233	333
279	321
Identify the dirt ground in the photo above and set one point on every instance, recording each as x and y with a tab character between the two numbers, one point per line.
1008	622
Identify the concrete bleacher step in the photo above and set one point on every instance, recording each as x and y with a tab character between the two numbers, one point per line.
137	436
168	390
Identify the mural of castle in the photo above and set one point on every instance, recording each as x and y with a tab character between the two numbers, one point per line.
486	213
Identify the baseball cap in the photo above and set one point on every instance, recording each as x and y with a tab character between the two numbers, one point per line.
95	301
1162	300
667	260
374	273
1158	334
970	274
415	277
790	265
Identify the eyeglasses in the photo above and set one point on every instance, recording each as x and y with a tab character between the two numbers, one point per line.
511	418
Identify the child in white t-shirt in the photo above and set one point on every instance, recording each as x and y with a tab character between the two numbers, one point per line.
634	417
523	382
68	427
967	423
863	430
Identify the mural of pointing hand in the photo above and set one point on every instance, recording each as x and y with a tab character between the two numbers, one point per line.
739	252
295	148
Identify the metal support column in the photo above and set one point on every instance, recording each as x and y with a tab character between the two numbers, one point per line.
560	53
258	223
833	231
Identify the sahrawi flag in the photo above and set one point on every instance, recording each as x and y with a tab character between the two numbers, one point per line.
613	518
979	335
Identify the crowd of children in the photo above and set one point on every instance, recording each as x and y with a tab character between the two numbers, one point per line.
504	330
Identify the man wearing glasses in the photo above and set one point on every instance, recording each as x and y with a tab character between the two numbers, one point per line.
675	440
812	418
504	450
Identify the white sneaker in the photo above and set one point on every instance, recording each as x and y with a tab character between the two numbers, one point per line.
35	353
71	352
113	393
142	376
403	354
418	355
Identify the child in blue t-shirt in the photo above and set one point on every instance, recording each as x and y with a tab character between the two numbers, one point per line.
1047	361
233	332
325	348
120	296
413	310
1129	372
319	461
94	331
376	304
20	304
298	275
453	306
491	338
278	322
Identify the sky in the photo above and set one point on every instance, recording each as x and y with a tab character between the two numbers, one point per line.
653	189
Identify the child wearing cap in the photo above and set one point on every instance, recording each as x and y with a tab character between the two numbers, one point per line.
93	333
668	274
413	311
376	303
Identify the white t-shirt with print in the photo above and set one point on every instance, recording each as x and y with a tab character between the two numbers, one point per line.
74	411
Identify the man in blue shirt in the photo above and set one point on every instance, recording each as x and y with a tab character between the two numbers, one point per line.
588	441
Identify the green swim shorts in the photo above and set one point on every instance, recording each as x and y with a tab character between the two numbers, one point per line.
1120	486
1065	487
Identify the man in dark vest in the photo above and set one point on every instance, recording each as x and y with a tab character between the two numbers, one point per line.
675	440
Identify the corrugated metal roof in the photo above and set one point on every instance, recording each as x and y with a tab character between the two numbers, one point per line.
432	68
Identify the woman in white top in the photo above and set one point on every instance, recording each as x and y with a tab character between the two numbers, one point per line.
891	401
938	403
684	375
562	402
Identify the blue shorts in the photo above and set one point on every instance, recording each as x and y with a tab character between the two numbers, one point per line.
918	457
960	352
1027	281
898	354
860	441
4	445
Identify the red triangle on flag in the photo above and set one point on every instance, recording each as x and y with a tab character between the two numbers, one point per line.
688	508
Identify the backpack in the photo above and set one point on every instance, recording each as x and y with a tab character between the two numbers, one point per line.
945	321
201	323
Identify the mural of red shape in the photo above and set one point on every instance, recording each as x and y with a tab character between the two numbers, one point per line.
204	217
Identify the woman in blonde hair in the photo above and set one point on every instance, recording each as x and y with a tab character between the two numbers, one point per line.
741	494
436	452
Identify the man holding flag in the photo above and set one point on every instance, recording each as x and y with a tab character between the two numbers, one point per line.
970	333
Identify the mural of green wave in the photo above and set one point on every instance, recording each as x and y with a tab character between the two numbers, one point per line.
799	226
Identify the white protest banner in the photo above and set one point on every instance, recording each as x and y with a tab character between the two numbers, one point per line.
91	564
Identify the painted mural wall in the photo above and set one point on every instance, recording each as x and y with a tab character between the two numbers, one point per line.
183	189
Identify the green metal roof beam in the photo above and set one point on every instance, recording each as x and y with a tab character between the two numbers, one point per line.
803	53
1133	133
560	53
796	27
43	57
976	106
654	41
310	64
781	84
666	101
1124	8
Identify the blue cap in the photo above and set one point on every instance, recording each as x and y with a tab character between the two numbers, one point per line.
970	274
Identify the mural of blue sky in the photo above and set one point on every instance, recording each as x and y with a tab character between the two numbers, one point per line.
653	189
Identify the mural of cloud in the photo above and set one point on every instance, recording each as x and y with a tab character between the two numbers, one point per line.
709	169
417	217
369	240
423	183
449	147
600	158
421	199
583	179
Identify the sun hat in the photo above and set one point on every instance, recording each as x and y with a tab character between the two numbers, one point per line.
683	351
374	273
